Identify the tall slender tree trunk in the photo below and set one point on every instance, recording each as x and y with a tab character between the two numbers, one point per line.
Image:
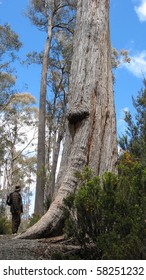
56	150
91	128
41	176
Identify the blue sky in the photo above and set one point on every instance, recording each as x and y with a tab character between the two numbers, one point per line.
128	31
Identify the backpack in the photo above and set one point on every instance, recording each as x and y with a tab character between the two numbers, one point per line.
9	199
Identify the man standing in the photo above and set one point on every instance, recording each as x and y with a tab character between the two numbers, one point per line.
16	208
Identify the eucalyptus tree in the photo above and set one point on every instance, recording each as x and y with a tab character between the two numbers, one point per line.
56	110
91	130
58	81
9	46
49	16
19	120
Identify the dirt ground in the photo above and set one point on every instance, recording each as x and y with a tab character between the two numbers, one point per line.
38	249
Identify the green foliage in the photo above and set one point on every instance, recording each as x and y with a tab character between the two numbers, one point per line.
9	45
9	40
134	140
118	57
5	225
109	212
2	208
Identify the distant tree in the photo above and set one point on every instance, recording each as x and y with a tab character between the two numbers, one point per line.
57	105
47	15
9	46
56	126
19	121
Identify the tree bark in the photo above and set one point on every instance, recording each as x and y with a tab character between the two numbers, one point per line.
41	174
56	150
91	129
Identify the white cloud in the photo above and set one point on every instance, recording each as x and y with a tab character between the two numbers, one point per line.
137	65
141	10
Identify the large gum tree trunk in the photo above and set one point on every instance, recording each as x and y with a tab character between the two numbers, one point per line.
91	129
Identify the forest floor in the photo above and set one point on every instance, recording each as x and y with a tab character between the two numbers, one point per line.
12	248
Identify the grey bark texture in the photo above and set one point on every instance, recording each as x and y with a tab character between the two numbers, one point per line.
41	175
91	128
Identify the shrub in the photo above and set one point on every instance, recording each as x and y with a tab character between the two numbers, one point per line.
5	225
109	212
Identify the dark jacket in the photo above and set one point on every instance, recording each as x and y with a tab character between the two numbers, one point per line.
16	206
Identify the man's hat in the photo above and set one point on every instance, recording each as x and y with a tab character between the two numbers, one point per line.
17	188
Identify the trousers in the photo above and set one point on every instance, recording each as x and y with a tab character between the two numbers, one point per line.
16	220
